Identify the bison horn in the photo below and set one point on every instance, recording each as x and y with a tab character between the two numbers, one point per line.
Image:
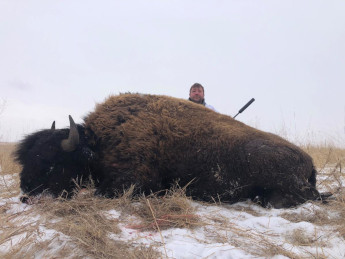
72	142
53	126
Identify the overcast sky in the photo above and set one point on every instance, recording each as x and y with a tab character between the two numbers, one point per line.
61	57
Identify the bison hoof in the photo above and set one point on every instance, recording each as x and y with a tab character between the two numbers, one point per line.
26	199
324	196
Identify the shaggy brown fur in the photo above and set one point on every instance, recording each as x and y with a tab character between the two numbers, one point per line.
154	140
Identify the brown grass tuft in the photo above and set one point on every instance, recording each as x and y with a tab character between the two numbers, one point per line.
315	215
84	220
174	209
299	237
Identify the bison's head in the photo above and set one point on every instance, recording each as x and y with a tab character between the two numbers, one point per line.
52	159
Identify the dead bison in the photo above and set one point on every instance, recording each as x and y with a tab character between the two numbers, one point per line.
153	141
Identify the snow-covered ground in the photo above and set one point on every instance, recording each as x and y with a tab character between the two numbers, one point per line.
233	232
242	230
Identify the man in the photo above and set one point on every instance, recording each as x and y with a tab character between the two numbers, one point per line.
196	95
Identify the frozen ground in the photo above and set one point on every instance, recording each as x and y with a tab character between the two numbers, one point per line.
242	230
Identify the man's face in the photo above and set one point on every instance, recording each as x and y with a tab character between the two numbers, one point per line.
196	94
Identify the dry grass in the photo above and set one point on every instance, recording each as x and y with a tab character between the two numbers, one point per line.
324	155
81	227
8	168
256	243
171	210
84	220
301	238
315	215
339	206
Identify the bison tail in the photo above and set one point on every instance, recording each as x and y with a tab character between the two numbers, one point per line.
323	196
312	178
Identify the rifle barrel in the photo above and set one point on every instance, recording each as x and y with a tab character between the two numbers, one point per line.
245	107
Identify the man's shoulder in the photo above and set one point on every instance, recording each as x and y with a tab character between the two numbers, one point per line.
210	107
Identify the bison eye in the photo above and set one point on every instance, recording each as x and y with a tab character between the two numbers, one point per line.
88	154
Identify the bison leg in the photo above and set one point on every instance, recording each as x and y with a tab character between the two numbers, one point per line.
291	196
285	195
105	190
278	199
269	198
112	182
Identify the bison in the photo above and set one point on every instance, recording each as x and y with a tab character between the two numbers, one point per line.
152	141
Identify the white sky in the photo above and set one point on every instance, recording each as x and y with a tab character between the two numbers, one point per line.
60	57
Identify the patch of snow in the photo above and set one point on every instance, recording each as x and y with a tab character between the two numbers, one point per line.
112	214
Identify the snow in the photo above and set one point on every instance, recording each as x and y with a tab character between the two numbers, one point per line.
183	243
228	231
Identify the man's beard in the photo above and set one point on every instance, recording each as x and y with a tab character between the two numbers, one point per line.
202	101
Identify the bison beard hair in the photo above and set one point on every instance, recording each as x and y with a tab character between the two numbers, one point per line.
153	141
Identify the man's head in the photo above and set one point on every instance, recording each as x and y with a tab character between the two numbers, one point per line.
196	93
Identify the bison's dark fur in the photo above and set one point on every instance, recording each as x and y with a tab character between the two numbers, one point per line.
153	141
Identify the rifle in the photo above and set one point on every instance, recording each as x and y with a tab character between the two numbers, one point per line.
245	107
